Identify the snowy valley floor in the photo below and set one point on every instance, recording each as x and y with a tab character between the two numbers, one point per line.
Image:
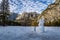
27	33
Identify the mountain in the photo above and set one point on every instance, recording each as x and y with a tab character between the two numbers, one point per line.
52	14
13	16
27	19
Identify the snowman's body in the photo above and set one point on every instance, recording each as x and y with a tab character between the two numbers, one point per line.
41	24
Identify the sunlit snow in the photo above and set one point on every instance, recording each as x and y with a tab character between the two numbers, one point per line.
27	33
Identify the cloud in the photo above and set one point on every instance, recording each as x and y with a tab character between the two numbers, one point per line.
29	5
0	1
12	8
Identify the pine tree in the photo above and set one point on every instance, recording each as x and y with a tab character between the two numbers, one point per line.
4	11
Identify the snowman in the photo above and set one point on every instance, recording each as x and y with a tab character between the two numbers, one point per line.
41	24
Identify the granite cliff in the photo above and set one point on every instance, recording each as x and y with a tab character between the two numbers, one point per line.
52	14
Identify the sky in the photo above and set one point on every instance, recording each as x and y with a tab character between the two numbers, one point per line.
20	6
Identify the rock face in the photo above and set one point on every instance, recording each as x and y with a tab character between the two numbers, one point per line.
27	19
52	14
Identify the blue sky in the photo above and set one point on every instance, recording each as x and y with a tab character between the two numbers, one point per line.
21	6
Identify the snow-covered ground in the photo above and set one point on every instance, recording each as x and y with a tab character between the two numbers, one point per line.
27	33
